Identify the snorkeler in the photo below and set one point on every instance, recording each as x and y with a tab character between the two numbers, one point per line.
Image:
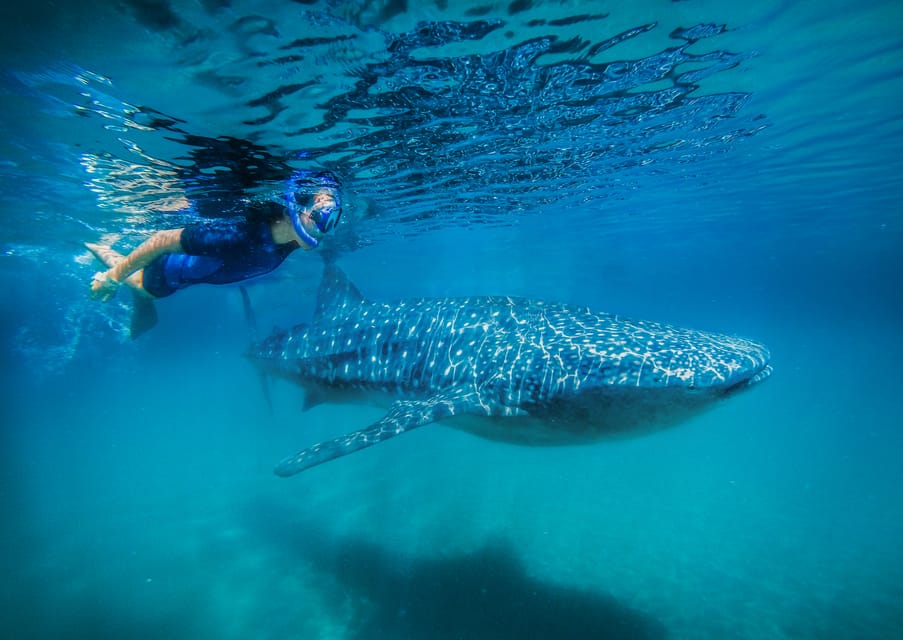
221	251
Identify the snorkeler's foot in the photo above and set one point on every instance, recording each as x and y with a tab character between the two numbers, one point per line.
110	258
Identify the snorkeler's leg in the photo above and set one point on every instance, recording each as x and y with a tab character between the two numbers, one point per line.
110	258
105	253
144	312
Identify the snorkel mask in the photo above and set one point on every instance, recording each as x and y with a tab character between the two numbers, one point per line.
300	193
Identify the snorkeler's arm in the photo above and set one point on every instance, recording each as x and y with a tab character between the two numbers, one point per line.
168	241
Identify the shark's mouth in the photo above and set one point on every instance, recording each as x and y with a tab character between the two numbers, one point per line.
762	375
741	385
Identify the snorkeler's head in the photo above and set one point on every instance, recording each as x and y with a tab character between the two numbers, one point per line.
318	195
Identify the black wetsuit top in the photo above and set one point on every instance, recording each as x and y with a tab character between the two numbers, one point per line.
219	252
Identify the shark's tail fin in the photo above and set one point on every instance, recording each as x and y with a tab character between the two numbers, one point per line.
251	321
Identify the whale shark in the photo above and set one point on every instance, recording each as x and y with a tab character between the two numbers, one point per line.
510	369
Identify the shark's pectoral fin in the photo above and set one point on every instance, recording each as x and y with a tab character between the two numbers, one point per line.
313	397
403	416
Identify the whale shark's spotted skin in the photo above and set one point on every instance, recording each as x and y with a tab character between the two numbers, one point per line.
511	369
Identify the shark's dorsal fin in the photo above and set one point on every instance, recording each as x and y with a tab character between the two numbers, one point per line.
403	416
337	295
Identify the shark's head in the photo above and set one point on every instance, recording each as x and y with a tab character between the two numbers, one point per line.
639	356
647	376
693	361
727	364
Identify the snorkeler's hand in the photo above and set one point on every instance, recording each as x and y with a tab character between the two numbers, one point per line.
103	286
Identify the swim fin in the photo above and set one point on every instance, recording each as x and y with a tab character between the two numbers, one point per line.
144	315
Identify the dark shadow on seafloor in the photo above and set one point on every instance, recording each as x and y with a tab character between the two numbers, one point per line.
484	594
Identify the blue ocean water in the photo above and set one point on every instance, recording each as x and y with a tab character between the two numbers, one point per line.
734	169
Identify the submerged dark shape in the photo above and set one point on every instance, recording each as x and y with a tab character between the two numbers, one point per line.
489	592
509	369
